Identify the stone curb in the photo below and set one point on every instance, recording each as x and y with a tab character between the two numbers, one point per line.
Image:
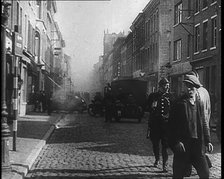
22	171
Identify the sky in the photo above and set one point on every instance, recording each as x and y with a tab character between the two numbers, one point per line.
82	24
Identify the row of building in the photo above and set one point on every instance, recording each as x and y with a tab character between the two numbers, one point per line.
168	38
34	40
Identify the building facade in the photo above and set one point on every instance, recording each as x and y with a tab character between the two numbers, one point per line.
196	43
33	22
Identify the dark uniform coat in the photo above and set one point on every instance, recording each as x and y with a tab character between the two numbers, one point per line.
159	106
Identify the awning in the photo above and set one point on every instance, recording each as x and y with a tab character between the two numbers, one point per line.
54	82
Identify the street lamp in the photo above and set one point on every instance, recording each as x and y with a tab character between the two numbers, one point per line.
6	166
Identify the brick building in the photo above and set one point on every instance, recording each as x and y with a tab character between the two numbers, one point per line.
158	16
196	46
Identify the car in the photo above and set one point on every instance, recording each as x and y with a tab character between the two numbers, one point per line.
77	103
70	103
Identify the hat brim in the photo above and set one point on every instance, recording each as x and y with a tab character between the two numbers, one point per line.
189	81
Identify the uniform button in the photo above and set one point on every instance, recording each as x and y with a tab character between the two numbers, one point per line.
162	106
162	111
162	103
162	99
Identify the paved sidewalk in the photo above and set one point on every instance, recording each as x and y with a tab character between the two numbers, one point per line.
32	132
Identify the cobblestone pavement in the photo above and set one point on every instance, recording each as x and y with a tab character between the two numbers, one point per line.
86	147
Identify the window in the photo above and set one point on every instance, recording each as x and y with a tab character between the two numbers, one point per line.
17	13
178	13
177	50
197	6
38	2
197	38
214	32
154	19
188	45
20	20
25	30
204	3
205	35
189	8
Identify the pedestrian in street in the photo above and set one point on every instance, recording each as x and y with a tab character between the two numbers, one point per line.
159	106
109	104
43	101
205	98
189	134
49	103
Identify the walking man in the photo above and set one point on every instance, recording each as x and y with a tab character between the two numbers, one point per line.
109	104
159	105
189	132
205	98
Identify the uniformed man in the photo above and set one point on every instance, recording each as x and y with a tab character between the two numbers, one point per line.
159	106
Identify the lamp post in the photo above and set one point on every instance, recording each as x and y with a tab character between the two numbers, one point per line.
6	166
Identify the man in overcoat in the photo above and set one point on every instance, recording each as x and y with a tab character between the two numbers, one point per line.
189	134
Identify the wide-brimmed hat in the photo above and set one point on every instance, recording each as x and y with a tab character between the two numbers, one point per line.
192	79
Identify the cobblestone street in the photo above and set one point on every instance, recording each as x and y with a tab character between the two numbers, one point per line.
86	147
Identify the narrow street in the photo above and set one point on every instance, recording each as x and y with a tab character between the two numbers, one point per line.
86	147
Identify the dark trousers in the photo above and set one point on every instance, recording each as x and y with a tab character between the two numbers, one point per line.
156	140
108	113
194	156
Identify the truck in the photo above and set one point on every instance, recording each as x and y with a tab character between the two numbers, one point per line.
130	95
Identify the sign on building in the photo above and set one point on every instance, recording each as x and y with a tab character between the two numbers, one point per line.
17	44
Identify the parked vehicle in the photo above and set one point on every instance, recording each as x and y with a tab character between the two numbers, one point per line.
78	104
69	103
130	97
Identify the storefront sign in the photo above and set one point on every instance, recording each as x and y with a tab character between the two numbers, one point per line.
17	46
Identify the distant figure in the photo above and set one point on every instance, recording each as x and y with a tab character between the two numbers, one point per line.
36	102
107	88
43	101
49	103
109	105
